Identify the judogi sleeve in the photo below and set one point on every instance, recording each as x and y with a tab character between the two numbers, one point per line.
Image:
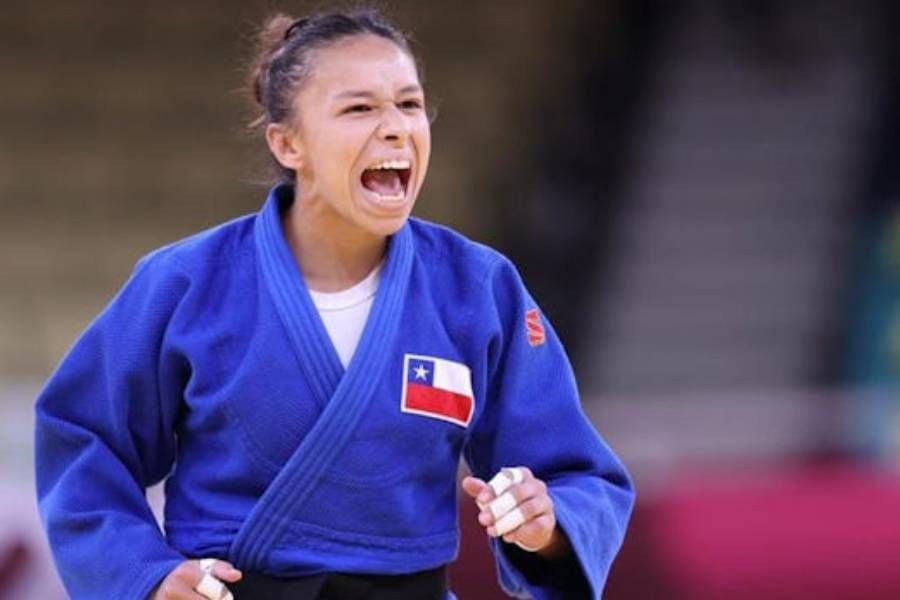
532	417
104	433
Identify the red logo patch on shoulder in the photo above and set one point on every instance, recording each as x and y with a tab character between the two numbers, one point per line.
534	327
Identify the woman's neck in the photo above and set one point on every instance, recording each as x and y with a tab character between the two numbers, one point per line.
333	254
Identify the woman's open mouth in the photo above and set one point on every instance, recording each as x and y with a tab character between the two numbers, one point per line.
387	180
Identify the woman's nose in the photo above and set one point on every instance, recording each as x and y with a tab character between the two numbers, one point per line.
394	126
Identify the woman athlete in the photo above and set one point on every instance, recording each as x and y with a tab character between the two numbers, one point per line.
307	378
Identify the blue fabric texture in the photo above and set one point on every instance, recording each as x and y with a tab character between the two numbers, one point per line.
211	369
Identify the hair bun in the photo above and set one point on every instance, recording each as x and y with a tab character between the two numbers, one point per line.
269	39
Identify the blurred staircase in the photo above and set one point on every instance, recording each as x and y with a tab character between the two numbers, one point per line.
729	261
120	133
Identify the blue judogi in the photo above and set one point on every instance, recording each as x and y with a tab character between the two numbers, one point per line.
211	368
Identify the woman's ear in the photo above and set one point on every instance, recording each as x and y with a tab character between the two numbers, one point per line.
285	145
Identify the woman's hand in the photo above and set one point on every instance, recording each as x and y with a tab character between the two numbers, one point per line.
522	514
184	581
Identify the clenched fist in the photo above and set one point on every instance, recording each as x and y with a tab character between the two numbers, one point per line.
522	513
197	580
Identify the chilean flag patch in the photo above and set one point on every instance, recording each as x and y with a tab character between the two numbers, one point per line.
438	388
534	327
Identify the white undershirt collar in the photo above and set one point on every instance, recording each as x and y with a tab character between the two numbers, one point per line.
350	297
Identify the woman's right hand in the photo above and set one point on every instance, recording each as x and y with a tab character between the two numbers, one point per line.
182	582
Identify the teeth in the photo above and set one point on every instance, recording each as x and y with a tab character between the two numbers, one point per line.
391	164
396	198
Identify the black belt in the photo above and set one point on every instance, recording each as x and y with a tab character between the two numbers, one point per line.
424	585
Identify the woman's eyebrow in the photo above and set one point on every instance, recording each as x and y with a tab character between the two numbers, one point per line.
367	94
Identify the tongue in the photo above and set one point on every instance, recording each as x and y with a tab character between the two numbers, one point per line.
385	182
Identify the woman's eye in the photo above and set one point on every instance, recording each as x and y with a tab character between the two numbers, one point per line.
358	108
411	104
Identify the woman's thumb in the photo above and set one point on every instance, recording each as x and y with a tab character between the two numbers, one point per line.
473	486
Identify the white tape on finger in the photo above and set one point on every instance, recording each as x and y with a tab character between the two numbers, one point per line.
505	479
211	588
207	564
510	521
502	505
500	483
515	474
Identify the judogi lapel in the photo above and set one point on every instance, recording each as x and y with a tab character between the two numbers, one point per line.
344	395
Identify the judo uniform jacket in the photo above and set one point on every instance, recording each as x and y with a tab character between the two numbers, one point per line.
211	369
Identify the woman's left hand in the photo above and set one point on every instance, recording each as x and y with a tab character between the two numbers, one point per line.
534	528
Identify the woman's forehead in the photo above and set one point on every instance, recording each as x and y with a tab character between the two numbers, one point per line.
361	63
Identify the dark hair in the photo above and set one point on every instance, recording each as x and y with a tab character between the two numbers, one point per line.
281	63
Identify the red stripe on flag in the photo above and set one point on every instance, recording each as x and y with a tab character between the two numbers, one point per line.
438	402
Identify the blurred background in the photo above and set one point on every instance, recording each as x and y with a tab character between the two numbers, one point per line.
703	196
